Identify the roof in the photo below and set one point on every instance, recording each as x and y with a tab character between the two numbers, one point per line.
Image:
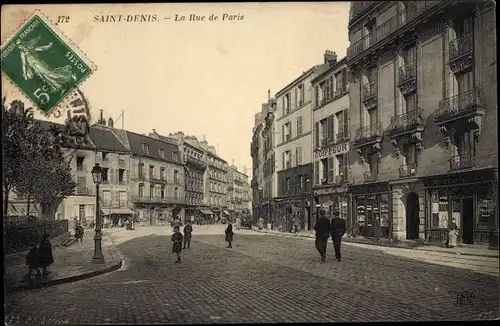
304	75
327	68
154	145
105	139
48	125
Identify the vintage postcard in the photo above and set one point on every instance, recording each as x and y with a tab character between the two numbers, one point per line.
276	162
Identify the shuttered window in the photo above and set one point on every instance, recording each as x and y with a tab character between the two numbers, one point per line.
316	173
331	165
316	135
330	129
298	155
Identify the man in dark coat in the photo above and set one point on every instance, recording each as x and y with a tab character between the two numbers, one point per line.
45	251
322	228
338	229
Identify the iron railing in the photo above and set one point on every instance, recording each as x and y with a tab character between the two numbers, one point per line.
394	23
408	170
406	120
460	104
157	200
462	161
360	7
340	136
194	160
461	46
407	71
154	179
370	89
369	132
83	191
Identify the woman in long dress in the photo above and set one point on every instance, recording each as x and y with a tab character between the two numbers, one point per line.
452	234
56	79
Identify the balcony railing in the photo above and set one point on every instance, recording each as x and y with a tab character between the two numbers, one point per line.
193	160
459	105
406	120
463	161
154	179
407	72
81	167
369	132
370	89
393	24
360	7
369	177
139	176
408	170
157	200
341	136
83	191
461	46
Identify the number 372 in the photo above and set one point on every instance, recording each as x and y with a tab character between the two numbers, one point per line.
42	95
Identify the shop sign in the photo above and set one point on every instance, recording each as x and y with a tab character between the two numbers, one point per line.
332	150
329	191
370	189
455	180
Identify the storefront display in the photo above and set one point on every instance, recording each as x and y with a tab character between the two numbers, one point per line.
373	216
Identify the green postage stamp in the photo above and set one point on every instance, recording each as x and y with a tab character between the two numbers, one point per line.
42	65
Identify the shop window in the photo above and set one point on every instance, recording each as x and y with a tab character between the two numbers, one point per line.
485	208
439	209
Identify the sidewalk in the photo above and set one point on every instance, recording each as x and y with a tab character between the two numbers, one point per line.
480	251
71	264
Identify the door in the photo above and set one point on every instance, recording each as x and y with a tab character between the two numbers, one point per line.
412	217
81	213
468	220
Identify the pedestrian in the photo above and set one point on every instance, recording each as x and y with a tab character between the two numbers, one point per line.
229	235
176	223
338	229
45	252
91	225
177	243
296	224
322	228
32	261
452	234
188	230
261	223
238	223
79	232
376	227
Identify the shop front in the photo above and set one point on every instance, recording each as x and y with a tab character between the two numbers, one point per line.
268	213
290	208
468	198
372	216
335	198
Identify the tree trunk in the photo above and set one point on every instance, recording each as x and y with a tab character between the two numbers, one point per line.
6	192
48	211
28	204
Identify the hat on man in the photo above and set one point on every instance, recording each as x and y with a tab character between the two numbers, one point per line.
336	213
323	208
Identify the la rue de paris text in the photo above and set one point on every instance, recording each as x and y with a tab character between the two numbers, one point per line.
212	17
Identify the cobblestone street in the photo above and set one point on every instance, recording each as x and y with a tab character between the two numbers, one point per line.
264	278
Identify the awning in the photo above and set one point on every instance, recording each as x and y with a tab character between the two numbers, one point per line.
206	211
226	212
117	211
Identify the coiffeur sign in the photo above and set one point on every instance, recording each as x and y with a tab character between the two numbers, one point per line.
332	150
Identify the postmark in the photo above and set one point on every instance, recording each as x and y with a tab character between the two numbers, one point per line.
44	66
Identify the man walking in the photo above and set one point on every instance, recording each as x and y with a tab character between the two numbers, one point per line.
338	229
322	228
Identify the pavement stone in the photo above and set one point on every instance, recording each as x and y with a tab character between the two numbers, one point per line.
262	279
70	264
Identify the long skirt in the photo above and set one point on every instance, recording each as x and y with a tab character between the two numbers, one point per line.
177	247
452	238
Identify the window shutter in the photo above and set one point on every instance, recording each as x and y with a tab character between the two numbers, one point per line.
283	161
283	105
316	135
283	133
290	129
296	98
316	173
331	87
330	128
316	95
345	80
330	168
346	123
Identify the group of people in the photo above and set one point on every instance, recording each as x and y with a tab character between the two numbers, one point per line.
324	229
39	256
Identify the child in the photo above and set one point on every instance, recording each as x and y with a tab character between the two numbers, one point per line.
79	232
229	235
32	260
45	254
188	229
177	243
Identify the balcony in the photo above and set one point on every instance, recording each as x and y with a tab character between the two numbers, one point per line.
345	175
407	127
360	7
157	200
461	112
408	78
369	177
409	170
341	136
368	135
139	176
461	53
192	160
81	168
160	180
459	162
340	91
390	27
370	95
83	191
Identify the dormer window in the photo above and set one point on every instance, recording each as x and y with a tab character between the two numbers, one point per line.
145	148
161	153
174	156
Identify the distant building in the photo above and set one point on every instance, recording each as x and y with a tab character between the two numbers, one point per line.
238	192
217	184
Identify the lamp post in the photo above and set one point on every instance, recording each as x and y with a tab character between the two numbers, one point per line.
98	257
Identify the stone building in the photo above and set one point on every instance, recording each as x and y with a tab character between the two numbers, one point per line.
238	195
293	122
157	178
424	115
216	184
331	136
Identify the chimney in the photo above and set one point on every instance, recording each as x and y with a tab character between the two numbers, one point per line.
110	122
268	94
330	57
101	120
154	131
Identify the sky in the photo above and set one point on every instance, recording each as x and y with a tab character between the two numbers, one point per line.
206	78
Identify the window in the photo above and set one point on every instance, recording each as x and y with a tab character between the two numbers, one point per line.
339	89
342	125
410	154
82	186
141	190
177	179
485	207
161	153
409	55
79	163
286	104
145	148
410	102
121	176
465	81
331	169
106	197
301	94
324	132
162	173
324	175
298	155
299	126
122	197
105	156
330	129
151	172
176	193
439	209
316	96
316	135
141	169
287	131
105	177
151	191
288	156
174	156
373	162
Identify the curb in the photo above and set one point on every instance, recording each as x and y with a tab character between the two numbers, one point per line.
66	280
393	245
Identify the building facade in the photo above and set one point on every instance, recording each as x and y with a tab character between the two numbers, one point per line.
216	185
157	179
257	154
294	145
423	108
331	136
269	185
238	195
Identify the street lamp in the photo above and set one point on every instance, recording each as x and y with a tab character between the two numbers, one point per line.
98	257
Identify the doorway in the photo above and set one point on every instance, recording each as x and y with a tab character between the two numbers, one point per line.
468	220
412	217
